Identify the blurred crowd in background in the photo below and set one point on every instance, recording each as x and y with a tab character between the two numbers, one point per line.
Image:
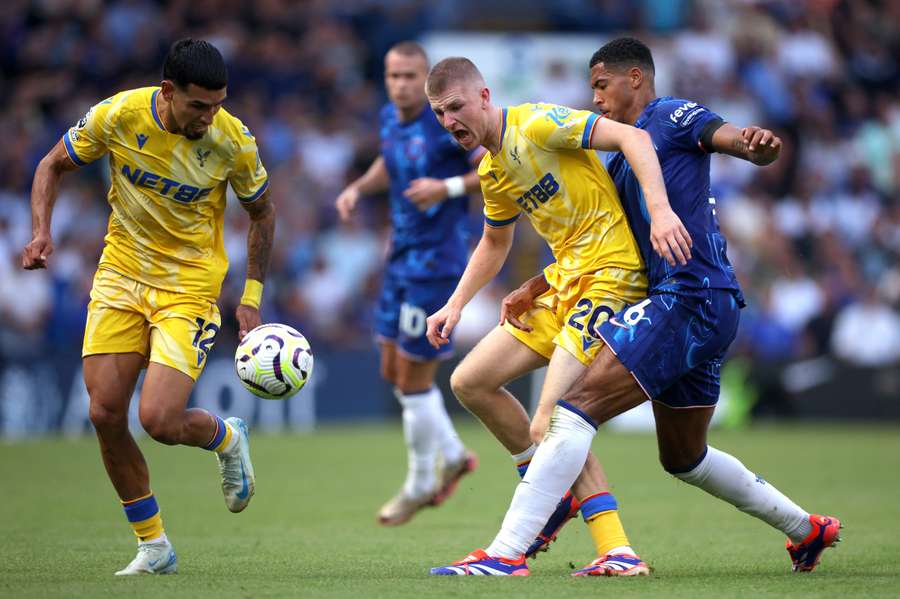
815	237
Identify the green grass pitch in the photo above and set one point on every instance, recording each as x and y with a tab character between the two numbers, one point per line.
311	531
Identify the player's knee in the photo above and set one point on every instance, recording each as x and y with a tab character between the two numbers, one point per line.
464	386
677	461
161	428
389	374
106	419
408	384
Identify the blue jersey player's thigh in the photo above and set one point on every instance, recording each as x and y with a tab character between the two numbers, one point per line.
674	344
420	300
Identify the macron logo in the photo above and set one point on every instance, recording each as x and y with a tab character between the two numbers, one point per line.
141	140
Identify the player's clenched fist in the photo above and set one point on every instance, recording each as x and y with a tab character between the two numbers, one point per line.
36	252
425	192
346	202
763	146
441	324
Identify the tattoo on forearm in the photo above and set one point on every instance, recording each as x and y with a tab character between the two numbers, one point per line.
259	245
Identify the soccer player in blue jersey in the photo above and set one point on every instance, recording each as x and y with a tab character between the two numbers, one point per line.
669	346
173	151
428	176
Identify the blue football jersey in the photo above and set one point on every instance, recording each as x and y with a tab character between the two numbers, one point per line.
433	244
676	127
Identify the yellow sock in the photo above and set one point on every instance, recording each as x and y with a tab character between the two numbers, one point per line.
148	529
144	517
607	531
601	513
225	440
221	438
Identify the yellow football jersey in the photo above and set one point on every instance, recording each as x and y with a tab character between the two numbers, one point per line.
543	170
168	192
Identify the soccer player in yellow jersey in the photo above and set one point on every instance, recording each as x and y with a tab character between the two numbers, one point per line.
537	165
172	152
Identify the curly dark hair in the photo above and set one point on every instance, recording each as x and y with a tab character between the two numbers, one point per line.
624	53
197	62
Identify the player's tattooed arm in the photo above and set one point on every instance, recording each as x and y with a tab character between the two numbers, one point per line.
259	249
754	144
260	236
44	190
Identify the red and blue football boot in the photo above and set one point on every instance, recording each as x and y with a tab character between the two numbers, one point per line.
805	555
479	563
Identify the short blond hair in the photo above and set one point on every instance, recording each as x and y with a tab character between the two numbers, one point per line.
449	71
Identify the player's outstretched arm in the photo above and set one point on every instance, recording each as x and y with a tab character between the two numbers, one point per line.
667	234
44	190
375	180
754	144
485	263
259	249
520	300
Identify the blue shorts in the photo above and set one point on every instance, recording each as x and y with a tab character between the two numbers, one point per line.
402	310
674	344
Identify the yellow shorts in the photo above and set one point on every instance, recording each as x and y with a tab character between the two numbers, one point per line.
125	316
569	319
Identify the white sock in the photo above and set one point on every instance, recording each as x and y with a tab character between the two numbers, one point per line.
420	428
725	477
449	444
555	466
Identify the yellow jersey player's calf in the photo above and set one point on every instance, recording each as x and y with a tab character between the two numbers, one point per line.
172	153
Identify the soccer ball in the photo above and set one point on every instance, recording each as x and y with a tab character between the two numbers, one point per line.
273	361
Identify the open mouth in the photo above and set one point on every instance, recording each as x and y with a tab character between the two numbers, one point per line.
461	135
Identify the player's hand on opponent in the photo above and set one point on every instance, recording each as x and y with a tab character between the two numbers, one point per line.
514	305
441	324
426	192
763	146
248	319
669	237
37	251
346	202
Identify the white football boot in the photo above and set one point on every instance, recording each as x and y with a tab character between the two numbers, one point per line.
152	558
238	480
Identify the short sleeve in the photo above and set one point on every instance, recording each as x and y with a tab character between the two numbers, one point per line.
88	139
686	122
248	177
555	127
498	211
